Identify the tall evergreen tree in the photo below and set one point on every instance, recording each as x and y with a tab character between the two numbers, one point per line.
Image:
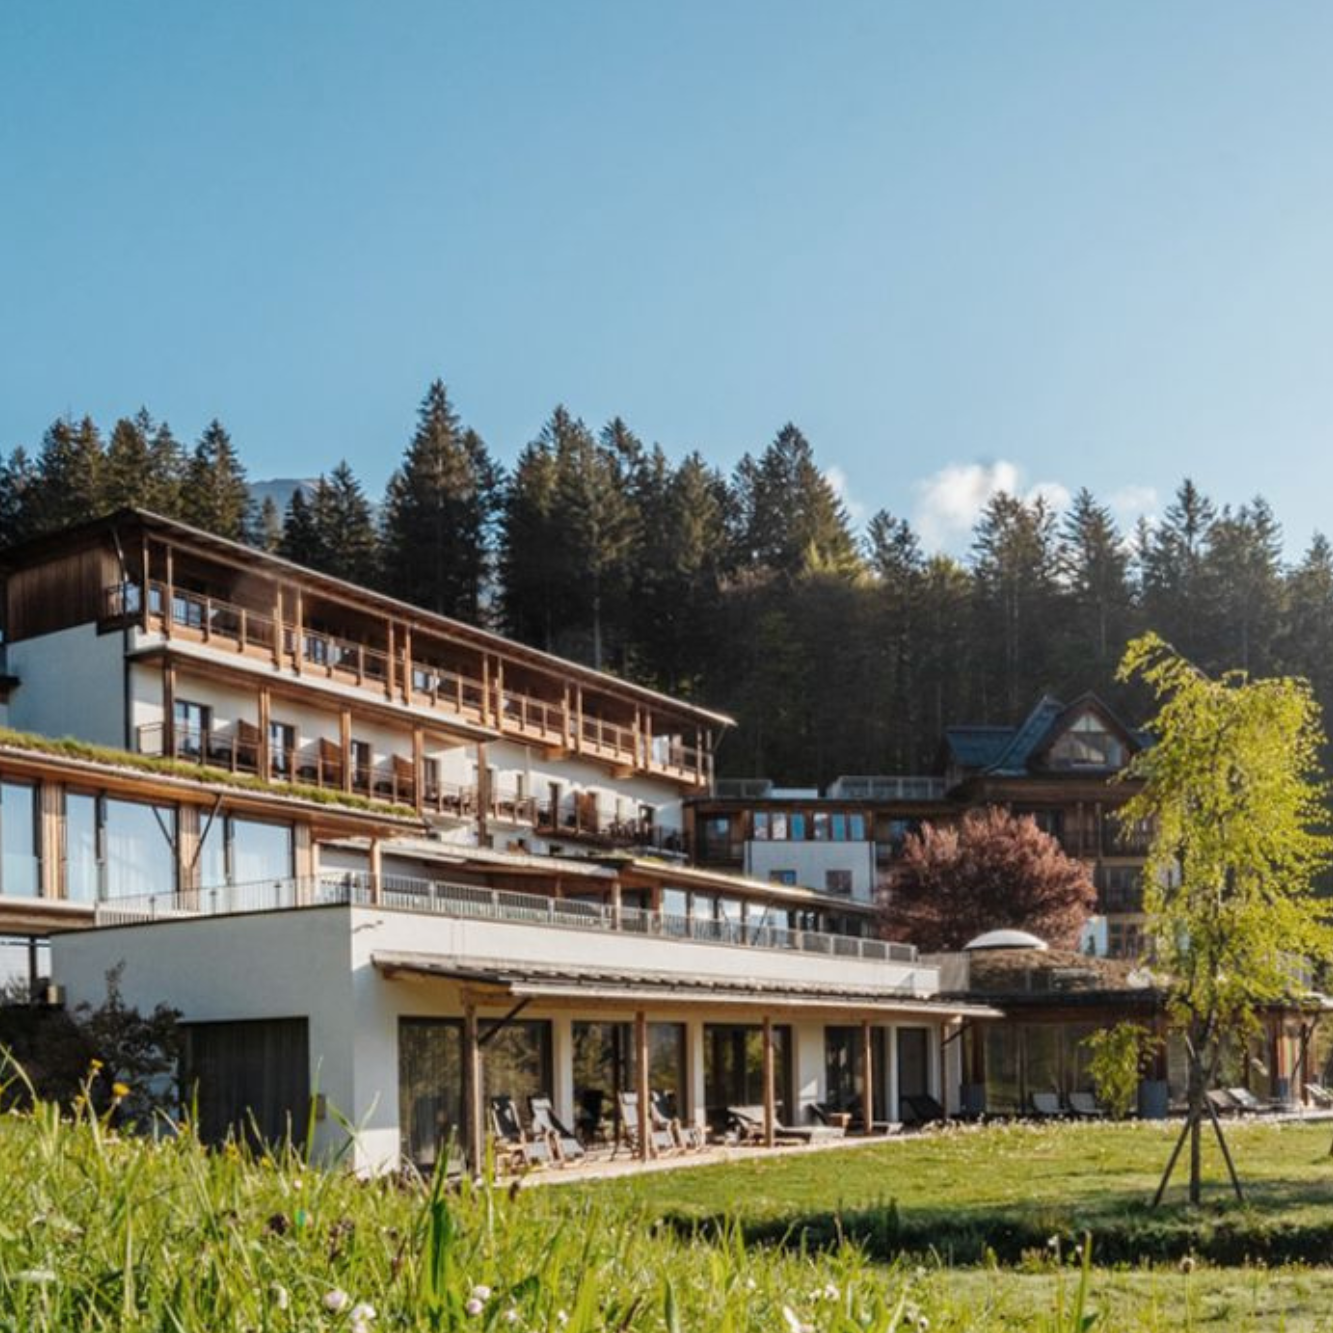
895	560
17	480
794	520
347	544
216	496
1240	590
1094	563
68	486
1171	565
440	513
268	527
301	539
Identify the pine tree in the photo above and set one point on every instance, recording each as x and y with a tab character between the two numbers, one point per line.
440	512
217	496
17	481
68	484
268	533
301	539
1239	590
1171	566
794	520
894	556
1095	566
346	541
128	462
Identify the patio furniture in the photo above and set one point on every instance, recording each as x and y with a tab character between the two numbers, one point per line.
1249	1104
660	1140
546	1123
858	1121
748	1122
1222	1102
1046	1105
920	1108
520	1148
688	1138
1321	1096
1086	1107
824	1114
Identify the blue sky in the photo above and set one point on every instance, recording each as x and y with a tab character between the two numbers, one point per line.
1043	245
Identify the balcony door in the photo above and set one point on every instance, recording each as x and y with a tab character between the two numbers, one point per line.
192	724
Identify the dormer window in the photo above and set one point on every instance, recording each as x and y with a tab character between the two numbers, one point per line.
1087	743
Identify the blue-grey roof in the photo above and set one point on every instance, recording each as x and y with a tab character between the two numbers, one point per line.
977	747
1028	738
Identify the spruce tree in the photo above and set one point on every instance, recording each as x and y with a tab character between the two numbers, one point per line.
347	545
1094	564
301	537
216	495
440	513
68	486
17	481
268	527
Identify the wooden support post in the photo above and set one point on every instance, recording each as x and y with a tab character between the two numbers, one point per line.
483	795
407	664
145	595
168	709
345	738
485	688
868	1074
264	759
578	719
617	905
419	767
170	595
472	1086
299	644
641	1082
499	692
376	869
770	1087
279	631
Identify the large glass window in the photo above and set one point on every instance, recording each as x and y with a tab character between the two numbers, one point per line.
430	1087
797	823
260	851
516	1062
18	840
1088	744
857	827
140	848
83	882
192	722
734	1069
212	862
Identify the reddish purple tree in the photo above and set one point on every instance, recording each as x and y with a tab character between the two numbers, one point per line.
990	871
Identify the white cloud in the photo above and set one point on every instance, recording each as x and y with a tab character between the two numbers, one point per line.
949	502
1130	503
837	479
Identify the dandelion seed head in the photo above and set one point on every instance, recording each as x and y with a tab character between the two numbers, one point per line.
336	1301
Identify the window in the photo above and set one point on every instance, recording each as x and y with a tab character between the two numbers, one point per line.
430	1087
259	851
778	824
140	843
362	760
782	877
797	827
83	880
856	826
839	826
1087	744
18	840
838	881
282	749
192	723
820	824
761	825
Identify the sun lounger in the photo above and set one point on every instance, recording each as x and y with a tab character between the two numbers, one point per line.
1321	1096
1046	1105
748	1122
660	1139
546	1123
688	1138
1086	1107
1249	1104
522	1149
920	1108
1222	1102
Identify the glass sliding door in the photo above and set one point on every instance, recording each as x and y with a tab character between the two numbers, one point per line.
430	1089
734	1069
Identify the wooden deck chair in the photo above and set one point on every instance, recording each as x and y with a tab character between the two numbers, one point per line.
659	1140
522	1149
920	1108
546	1123
748	1122
1321	1096
1222	1101
1249	1104
688	1138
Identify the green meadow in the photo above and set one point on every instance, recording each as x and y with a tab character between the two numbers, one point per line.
975	1230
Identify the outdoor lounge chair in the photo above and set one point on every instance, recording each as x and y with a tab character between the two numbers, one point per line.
1046	1105
660	1140
546	1123
748	1122
688	1138
1222	1102
1086	1107
521	1149
858	1121
1249	1104
920	1108
1321	1096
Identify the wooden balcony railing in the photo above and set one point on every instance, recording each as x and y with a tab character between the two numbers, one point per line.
422	683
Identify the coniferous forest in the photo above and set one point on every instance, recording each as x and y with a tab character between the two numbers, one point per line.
838	651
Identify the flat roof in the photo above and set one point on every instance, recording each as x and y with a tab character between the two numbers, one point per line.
537	981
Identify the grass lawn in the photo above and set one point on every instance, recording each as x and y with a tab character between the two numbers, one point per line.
1005	1189
105	1233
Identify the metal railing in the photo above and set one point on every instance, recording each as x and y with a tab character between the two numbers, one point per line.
471	901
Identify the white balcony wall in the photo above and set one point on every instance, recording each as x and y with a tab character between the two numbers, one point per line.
812	861
71	684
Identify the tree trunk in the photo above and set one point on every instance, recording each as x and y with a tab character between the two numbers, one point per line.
1197	1090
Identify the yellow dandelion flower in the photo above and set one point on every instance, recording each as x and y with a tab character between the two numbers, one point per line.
120	1089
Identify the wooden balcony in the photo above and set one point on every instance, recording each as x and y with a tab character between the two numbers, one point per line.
400	676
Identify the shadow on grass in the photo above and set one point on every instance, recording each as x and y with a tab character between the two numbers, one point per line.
1282	1221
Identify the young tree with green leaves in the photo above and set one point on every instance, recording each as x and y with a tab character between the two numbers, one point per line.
1231	788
